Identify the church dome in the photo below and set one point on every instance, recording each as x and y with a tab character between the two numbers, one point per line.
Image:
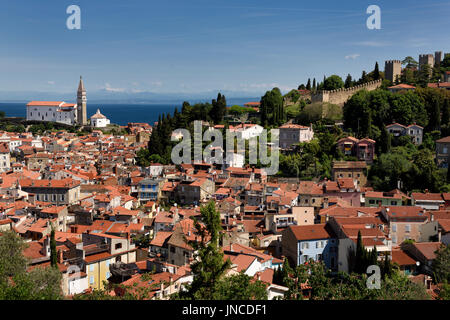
98	115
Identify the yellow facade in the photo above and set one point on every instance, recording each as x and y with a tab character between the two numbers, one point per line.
98	272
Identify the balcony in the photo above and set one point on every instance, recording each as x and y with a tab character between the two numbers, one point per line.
123	269
97	248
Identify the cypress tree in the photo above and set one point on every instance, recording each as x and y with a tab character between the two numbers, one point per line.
374	255
360	256
448	175
385	141
348	81
387	267
445	112
314	85
53	253
308	84
376	72
209	265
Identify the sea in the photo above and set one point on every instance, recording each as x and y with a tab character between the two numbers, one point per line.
121	114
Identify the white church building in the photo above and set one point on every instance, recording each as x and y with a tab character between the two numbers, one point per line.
60	111
98	120
53	111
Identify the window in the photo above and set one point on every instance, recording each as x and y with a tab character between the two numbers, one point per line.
394	228
394	203
91	268
372	201
118	246
108	274
319	257
444	150
394	239
172	249
91	280
407	228
305	245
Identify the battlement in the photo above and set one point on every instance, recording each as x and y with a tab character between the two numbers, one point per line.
340	96
355	88
427	55
392	61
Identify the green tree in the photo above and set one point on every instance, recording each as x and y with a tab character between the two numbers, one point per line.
218	109
441	265
18	283
409	62
208	266
12	260
385	141
53	253
444	291
239	287
308	84
271	109
376	72
348	81
333	82
424	75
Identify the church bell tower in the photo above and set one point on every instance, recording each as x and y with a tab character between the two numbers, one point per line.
81	104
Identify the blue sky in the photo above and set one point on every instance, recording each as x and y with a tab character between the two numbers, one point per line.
202	45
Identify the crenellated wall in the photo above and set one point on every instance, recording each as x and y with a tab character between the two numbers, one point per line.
340	96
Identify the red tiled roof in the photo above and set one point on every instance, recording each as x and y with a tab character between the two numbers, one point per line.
427	196
317	231
402	258
45	103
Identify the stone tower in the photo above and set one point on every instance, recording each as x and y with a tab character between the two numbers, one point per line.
81	104
438	57
392	70
426	59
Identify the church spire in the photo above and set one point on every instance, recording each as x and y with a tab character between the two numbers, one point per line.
81	85
81	104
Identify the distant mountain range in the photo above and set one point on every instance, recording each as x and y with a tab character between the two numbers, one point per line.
105	96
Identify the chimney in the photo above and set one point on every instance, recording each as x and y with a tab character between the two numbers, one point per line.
60	256
325	203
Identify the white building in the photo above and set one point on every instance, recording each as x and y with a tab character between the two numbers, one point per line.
52	111
98	120
5	160
292	134
247	131
13	142
413	130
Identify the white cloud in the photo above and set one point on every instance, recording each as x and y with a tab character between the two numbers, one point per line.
352	56
110	89
51	82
